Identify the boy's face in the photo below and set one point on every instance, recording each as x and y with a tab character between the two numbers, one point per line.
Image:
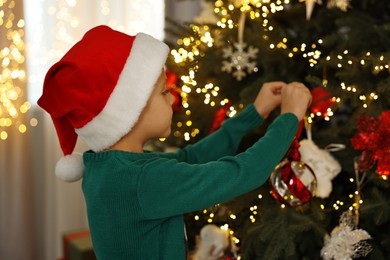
156	118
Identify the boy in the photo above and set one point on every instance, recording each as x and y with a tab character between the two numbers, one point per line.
109	89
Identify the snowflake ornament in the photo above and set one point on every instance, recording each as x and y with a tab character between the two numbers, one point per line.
238	61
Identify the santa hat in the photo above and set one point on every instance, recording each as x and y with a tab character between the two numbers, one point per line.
98	90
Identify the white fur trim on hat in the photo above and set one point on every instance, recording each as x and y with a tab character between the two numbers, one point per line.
129	97
70	167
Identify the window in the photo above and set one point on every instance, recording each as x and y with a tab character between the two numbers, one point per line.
53	26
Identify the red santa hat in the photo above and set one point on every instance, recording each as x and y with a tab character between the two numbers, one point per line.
98	90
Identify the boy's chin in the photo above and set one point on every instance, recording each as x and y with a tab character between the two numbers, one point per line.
166	134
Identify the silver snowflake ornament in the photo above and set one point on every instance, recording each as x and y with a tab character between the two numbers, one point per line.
239	62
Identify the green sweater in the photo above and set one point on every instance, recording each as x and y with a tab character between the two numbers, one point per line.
135	202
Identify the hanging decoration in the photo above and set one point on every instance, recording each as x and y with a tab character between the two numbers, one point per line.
374	142
293	181
207	15
310	6
343	5
322	102
214	243
323	164
171	84
240	60
346	242
220	116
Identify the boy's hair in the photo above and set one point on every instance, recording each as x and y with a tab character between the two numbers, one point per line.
98	90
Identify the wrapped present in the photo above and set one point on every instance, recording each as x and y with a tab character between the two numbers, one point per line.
78	245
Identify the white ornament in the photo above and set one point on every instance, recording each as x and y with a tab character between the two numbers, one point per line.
340	4
324	166
207	15
346	242
212	244
310	6
238	61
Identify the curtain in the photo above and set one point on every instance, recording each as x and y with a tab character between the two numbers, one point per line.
15	178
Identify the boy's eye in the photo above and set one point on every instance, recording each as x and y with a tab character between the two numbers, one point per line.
165	91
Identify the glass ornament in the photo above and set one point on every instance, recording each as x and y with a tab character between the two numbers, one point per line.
293	183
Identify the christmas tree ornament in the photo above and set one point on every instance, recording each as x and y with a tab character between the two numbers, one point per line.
310	6
293	181
374	142
340	4
207	15
171	84
322	101
323	164
220	116
212	244
239	61
346	241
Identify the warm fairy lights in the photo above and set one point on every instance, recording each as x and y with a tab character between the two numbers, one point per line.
255	8
210	214
194	46
13	75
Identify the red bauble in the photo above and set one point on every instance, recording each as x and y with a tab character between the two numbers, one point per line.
177	103
171	84
293	183
219	117
171	78
321	100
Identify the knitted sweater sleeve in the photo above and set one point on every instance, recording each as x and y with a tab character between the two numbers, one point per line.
222	142
167	187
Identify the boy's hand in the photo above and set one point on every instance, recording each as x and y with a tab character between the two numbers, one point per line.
296	98
269	97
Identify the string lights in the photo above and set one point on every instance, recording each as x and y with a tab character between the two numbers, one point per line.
13	102
195	46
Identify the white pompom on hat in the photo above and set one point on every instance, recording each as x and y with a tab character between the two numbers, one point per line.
98	90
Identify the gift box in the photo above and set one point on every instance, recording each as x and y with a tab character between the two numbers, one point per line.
78	245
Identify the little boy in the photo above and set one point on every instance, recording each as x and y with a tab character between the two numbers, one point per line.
109	89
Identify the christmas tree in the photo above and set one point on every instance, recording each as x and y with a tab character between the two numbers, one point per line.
339	49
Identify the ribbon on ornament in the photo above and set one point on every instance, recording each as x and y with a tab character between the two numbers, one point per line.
294	185
293	153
